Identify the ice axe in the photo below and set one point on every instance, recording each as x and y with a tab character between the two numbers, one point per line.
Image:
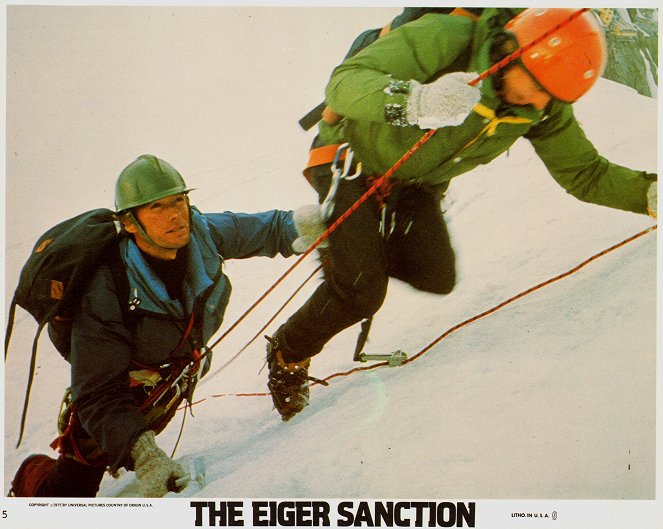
196	468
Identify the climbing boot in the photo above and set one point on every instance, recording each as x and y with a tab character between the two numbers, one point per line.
31	475
288	381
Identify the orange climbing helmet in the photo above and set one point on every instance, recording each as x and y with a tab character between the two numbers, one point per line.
567	62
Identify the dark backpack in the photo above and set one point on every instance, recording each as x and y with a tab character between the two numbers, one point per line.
369	36
54	276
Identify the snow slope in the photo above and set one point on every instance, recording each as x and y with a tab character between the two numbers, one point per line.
552	397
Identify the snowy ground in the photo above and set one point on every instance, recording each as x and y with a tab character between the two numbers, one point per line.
551	398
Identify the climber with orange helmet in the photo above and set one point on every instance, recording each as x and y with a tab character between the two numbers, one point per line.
382	99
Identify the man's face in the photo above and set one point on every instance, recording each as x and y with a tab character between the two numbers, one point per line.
519	88
166	221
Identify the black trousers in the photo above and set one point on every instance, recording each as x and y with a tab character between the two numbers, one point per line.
414	248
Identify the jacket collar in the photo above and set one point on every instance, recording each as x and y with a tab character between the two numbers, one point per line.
490	23
203	265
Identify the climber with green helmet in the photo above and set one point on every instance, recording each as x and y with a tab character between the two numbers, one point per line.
139	333
163	187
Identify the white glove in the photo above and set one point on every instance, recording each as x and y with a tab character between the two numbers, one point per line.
309	227
442	103
156	471
652	199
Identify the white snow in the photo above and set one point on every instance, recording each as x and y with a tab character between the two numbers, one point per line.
552	397
651	81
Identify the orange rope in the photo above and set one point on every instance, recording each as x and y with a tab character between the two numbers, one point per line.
530	290
256	335
519	52
371	190
473	318
379	182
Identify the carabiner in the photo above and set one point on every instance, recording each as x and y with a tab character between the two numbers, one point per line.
327	206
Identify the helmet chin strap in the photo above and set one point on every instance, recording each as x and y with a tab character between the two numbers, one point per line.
143	233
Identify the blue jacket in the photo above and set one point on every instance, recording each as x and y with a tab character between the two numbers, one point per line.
103	345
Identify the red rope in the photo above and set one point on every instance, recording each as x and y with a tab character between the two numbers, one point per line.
516	54
371	190
281	308
375	187
379	182
530	290
473	318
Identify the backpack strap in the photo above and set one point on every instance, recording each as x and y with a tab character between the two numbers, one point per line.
31	376
10	324
122	288
122	285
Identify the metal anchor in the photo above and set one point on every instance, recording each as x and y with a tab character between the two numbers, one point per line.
395	359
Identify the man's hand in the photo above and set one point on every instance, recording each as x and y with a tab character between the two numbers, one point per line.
157	472
309	226
442	103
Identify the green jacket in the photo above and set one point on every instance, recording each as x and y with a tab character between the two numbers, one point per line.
364	89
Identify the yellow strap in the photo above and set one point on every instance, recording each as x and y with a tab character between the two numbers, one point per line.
491	128
489	113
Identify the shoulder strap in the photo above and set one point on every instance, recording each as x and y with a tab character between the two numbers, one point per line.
66	257
121	281
10	324
122	285
31	376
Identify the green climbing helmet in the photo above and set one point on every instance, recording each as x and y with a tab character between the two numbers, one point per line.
145	180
